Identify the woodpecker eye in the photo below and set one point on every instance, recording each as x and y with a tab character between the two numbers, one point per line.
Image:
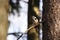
35	18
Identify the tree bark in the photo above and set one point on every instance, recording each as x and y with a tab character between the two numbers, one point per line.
3	19
51	19
33	34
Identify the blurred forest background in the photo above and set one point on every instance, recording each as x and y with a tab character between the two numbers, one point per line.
20	18
25	20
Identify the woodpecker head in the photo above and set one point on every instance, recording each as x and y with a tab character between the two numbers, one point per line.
35	20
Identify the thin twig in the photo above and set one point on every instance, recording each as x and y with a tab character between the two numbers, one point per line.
31	26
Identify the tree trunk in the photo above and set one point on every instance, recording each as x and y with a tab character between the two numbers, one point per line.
33	10
3	19
51	19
